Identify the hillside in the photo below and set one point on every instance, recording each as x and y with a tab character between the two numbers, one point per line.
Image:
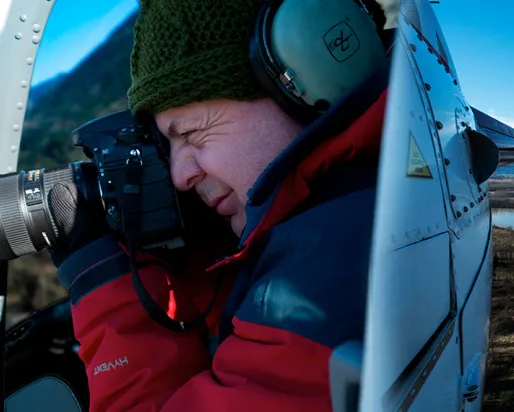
39	91
96	87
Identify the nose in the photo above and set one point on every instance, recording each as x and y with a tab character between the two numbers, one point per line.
184	169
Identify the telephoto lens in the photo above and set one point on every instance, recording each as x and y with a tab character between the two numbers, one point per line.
26	223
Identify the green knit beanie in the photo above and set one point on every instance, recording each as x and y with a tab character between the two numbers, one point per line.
192	50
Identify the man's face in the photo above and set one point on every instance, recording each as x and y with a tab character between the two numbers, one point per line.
220	148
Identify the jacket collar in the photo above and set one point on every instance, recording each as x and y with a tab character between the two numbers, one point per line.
350	130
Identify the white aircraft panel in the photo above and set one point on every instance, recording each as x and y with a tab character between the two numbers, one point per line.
19	43
441	389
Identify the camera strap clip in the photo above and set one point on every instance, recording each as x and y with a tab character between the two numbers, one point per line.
131	204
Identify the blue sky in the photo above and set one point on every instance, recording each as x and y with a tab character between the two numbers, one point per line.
480	37
76	27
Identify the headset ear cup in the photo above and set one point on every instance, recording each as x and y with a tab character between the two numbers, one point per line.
267	73
322	82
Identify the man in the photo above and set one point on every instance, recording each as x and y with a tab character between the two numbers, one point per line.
299	197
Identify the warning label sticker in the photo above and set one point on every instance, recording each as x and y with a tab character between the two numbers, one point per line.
417	167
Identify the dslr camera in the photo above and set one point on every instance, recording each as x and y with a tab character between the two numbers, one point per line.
127	181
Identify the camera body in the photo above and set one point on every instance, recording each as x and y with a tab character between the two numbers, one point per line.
133	178
128	181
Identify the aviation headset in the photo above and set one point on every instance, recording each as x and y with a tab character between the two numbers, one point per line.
310	54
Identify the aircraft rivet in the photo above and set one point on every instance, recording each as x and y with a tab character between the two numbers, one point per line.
455	82
446	162
454	198
439	125
17	36
23	17
413	47
427	86
19	105
13	149
10	169
472	204
16	127
465	209
36	28
35	39
463	124
467	108
459	214
30	61
24	84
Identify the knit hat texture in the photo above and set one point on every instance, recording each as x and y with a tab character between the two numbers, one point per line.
192	50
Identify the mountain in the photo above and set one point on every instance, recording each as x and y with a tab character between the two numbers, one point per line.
37	92
97	86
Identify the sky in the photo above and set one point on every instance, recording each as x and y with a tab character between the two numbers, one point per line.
479	33
74	29
480	36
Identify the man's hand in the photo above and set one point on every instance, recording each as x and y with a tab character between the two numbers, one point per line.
78	223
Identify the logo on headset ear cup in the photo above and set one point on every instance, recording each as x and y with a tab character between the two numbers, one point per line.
312	54
341	41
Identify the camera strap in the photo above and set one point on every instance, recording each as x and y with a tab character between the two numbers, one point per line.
131	215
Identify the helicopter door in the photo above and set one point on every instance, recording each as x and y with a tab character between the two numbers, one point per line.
411	358
469	214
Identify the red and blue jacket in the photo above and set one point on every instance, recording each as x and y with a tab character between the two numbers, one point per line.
298	290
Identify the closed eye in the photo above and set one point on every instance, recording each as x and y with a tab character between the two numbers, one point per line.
188	137
187	134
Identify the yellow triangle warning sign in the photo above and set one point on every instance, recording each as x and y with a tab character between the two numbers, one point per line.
417	167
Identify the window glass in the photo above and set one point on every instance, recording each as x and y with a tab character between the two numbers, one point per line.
82	71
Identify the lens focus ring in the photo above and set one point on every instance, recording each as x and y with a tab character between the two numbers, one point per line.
11	217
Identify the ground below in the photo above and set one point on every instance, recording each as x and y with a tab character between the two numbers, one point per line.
499	388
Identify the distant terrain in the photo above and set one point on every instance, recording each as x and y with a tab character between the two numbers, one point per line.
96	87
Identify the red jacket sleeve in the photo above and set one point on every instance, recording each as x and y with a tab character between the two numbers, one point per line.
134	364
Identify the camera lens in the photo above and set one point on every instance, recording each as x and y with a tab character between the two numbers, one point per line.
26	224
